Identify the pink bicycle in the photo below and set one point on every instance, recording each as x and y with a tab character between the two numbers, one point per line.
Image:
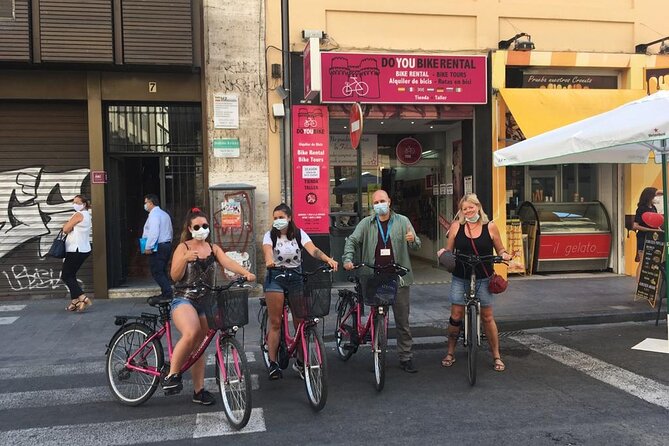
136	363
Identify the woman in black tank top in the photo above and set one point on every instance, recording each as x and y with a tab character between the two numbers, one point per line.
473	233
194	260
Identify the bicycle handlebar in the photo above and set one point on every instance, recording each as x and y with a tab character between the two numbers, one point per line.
396	266
239	281
283	269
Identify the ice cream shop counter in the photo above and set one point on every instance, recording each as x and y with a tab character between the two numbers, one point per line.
570	236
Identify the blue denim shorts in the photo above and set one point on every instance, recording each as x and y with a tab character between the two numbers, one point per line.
183	301
273	285
460	286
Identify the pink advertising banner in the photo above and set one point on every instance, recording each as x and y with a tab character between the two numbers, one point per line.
403	78
311	179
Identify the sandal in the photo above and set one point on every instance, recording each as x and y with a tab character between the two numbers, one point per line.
498	365
73	305
82	303
448	360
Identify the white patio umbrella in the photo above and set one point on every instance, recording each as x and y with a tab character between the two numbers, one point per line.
627	134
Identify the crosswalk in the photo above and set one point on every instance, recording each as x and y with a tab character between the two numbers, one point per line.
6	320
54	396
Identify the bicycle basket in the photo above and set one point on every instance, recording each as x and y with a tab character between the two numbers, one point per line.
311	299
380	288
227	309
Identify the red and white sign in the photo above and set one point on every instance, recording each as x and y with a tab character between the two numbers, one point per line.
409	151
312	68
403	78
355	125
311	179
574	246
98	177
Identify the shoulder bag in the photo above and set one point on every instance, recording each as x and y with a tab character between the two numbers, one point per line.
57	249
496	283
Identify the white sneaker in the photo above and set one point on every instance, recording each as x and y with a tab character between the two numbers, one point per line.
299	368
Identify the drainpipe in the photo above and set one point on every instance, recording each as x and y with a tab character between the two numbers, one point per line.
286	137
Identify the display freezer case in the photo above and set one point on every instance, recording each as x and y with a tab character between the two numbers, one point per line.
568	236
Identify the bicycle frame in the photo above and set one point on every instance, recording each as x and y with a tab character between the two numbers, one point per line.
472	303
293	341
369	325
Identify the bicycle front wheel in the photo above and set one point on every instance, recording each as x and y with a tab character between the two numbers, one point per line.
379	346
472	343
234	382
315	369
263	336
129	386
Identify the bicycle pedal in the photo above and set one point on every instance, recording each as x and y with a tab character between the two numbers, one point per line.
175	391
350	346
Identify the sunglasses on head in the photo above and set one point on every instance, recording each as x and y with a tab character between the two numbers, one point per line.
197	227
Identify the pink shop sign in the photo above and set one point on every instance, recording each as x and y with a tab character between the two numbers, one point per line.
403	79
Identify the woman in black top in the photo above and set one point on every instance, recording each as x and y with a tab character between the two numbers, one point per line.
473	228
645	204
194	260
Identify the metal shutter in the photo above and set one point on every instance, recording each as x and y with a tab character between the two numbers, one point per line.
15	33
76	31
43	164
157	32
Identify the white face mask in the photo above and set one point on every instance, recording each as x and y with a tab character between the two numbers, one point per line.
200	234
658	202
473	219
78	207
280	223
381	208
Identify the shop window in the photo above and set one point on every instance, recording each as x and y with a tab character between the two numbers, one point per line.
6	9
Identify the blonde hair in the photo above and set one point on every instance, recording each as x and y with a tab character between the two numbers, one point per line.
473	199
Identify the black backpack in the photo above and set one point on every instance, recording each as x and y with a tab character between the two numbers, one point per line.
298	238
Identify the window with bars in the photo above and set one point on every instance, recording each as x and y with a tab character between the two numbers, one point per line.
154	129
7	9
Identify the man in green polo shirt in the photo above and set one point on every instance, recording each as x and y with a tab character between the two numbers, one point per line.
382	238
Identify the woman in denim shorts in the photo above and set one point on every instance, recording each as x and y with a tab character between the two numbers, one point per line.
473	227
282	246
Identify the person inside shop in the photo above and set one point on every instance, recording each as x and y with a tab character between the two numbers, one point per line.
282	247
474	234
380	239
158	236
645	204
194	260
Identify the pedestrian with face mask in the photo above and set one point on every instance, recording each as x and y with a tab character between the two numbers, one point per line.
194	261
380	239
77	250
158	236
282	246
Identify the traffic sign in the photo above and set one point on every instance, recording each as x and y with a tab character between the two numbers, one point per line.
355	125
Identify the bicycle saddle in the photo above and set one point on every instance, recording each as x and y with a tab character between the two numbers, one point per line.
155	301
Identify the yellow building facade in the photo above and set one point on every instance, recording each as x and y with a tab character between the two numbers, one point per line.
583	63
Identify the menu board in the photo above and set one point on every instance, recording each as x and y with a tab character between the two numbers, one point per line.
650	280
514	246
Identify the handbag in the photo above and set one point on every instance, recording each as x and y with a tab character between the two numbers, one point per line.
57	249
496	283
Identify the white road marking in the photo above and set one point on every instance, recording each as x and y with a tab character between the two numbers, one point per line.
82	368
12	307
653	345
636	385
250	357
150	430
8	320
86	395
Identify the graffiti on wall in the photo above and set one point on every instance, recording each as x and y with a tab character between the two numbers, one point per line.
35	204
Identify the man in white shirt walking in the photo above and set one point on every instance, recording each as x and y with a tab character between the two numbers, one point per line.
158	235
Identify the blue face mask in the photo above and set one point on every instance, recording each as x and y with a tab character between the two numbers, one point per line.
280	223
381	208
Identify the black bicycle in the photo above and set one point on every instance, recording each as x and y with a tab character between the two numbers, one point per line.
472	325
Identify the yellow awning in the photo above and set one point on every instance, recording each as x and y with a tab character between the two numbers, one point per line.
539	110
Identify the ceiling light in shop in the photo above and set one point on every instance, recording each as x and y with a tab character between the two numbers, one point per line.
345	127
342	179
431	126
365	173
427	152
382	122
412	122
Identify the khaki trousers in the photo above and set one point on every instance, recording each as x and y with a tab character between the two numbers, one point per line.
401	314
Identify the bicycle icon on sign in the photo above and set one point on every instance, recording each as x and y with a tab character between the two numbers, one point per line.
310	123
360	88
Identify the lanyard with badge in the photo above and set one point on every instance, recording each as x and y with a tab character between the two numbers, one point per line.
385	236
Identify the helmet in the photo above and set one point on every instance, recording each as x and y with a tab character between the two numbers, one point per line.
652	219
447	260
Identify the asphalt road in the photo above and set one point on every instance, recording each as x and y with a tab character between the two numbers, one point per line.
563	386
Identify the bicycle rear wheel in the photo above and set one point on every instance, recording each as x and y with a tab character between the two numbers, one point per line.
234	382
346	329
379	346
315	369
131	387
472	342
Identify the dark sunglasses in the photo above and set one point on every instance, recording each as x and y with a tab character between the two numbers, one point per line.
197	227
